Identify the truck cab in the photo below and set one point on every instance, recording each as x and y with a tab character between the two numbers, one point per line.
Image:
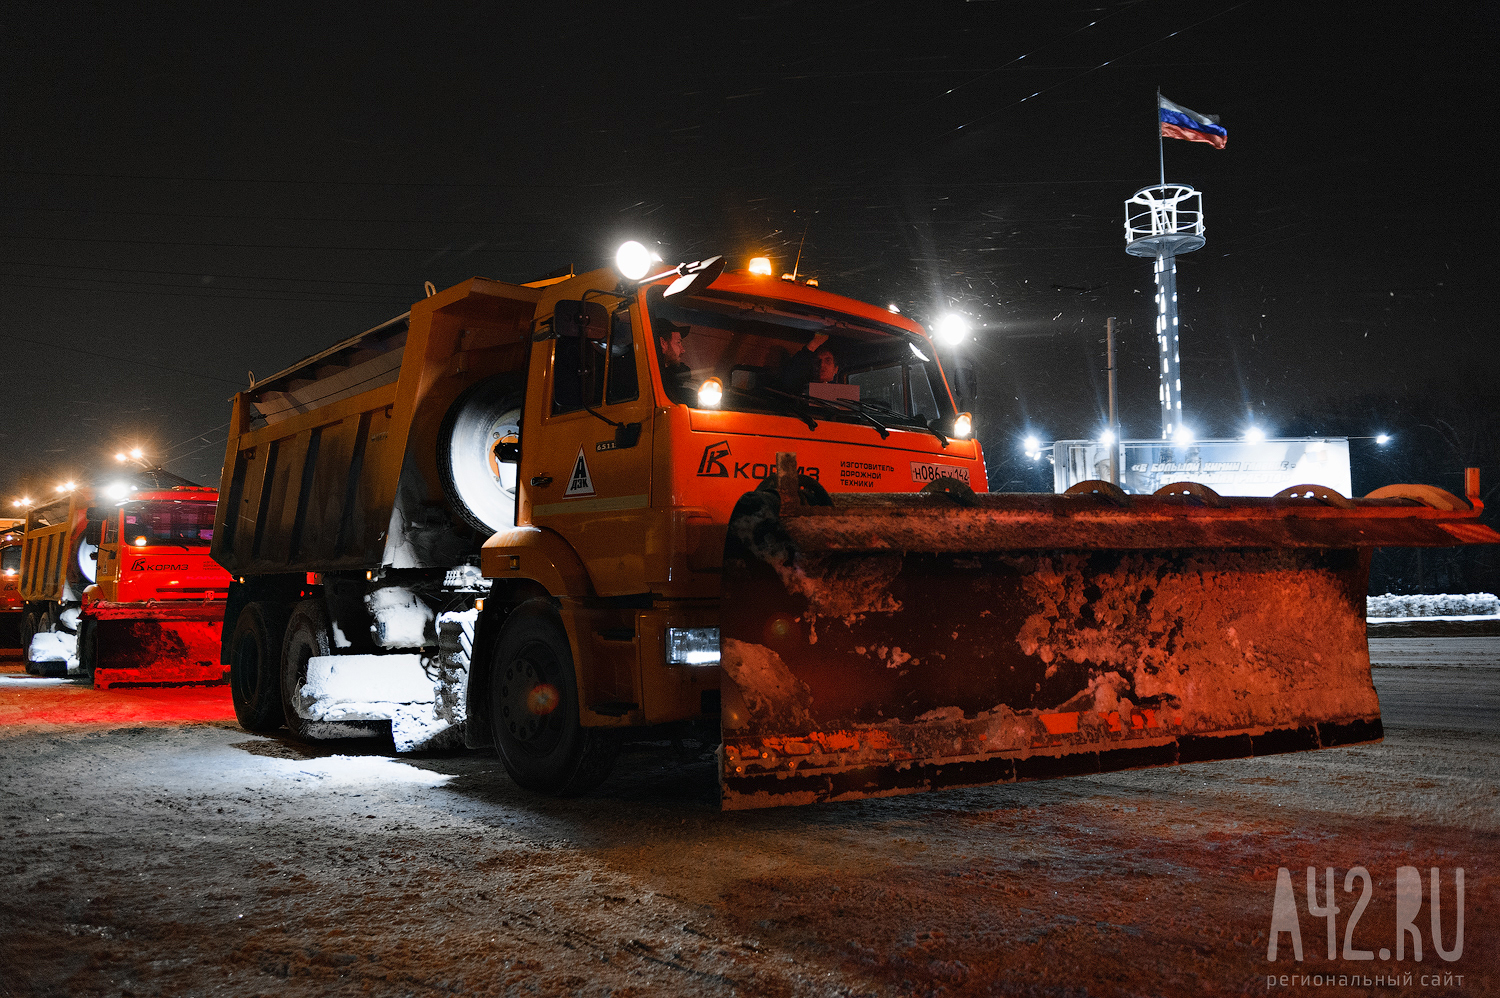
632	460
155	546
11	604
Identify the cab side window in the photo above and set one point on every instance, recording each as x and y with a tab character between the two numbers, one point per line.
622	385
589	372
577	373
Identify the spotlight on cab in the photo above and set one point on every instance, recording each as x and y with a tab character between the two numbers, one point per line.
952	329
632	260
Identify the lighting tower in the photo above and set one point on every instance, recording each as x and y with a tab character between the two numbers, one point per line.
1161	222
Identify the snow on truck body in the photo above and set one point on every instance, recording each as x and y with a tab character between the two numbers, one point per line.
502	517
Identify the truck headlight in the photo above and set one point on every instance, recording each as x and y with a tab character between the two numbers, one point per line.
692	646
963	425
710	393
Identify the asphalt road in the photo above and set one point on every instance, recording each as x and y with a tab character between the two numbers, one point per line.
1445	683
150	847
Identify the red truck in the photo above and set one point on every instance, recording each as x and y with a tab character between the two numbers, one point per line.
122	589
11	605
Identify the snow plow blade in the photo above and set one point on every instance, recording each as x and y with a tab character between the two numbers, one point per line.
176	646
893	644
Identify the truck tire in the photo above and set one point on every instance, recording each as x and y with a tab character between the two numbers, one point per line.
88	648
43	623
28	631
255	666
308	635
481	489
534	708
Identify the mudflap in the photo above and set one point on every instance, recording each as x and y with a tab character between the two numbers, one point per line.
156	651
856	664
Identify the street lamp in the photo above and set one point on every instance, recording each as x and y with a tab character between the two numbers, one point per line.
1382	439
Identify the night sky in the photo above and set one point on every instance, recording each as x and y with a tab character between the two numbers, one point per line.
192	196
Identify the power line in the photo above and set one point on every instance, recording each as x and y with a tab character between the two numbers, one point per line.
207	295
115	357
197	274
270	246
308	183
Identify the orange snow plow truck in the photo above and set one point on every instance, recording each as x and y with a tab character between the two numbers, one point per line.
11	605
122	589
544	517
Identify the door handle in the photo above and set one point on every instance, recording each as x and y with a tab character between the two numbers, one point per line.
541	481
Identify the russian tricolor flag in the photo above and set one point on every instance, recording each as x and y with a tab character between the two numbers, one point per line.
1177	122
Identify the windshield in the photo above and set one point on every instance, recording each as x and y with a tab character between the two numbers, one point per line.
782	357
149	524
10	559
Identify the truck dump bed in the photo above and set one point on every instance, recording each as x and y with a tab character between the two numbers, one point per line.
330	464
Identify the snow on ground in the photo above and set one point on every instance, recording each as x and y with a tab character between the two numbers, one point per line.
363	770
1444	606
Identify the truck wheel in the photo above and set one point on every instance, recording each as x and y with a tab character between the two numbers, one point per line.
44	623
482	490
307	636
88	648
28	631
255	666
534	708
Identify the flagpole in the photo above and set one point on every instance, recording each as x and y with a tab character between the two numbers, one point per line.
1161	156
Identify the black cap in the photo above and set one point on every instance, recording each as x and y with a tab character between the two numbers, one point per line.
664	329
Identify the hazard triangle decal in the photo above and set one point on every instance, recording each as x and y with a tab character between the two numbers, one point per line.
580	483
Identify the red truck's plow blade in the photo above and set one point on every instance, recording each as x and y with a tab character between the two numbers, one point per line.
157	645
894	644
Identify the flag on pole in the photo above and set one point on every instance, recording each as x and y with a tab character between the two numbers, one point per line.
1177	122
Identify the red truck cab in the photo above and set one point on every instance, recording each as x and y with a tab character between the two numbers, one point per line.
155	546
11	603
154	611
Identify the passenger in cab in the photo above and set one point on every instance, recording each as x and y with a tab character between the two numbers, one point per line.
675	373
815	363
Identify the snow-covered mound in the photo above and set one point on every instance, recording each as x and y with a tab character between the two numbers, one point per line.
1390	606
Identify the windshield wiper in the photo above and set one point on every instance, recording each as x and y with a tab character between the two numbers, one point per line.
910	422
794	409
859	409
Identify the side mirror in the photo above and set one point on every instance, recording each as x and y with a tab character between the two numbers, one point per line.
584	319
96	513
966	379
93	530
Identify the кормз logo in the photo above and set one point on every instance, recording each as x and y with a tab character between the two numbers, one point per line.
712	465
